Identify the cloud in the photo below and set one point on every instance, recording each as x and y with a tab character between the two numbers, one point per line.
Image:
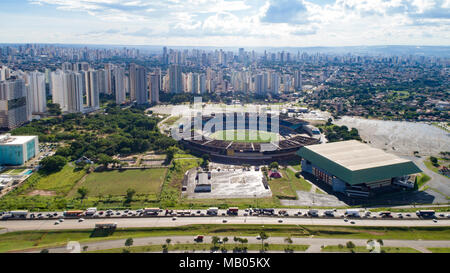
286	11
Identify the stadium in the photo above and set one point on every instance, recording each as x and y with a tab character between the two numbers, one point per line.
245	138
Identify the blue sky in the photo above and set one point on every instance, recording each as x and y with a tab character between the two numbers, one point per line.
227	22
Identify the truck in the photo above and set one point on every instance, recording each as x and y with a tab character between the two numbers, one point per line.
18	214
151	211
90	211
425	213
212	211
268	211
313	213
233	211
352	213
329	213
106	226
73	213
385	214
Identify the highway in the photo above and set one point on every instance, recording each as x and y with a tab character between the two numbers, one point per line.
22	225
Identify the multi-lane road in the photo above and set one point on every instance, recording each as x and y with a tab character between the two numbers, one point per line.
22	225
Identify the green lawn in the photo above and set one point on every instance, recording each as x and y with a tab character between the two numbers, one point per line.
41	238
300	184
439	249
247	136
363	249
172	120
422	180
117	182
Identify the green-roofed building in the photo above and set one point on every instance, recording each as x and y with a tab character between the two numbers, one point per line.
355	168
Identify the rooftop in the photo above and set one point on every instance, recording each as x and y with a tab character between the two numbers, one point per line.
15	140
355	162
355	155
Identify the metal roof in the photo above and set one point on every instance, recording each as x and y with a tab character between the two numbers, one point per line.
355	162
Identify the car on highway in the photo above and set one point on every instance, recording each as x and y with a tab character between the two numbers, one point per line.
258	237
280	220
174	218
61	220
435	220
199	238
57	223
345	220
352	222
80	220
441	215
224	220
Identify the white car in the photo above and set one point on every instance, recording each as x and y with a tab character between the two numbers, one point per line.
57	223
345	220
258	237
61	220
435	220
80	220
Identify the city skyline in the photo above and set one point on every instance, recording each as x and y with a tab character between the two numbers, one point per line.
249	23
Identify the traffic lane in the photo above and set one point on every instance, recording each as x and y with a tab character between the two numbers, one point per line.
22	225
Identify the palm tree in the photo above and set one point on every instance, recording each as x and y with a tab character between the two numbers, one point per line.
263	236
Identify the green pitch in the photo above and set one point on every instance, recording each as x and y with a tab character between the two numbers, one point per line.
247	136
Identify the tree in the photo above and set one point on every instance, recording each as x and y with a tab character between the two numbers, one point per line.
170	152
350	245
104	160
130	194
434	161
53	164
129	242
225	240
380	242
263	236
215	240
274	165
168	240
83	192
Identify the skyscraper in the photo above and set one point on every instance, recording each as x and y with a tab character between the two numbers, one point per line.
37	98
119	85
13	103
155	87
92	89
298	80
175	79
132	82
141	85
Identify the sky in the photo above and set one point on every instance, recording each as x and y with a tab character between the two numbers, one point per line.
227	23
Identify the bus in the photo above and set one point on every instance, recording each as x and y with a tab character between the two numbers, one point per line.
426	213
73	213
151	211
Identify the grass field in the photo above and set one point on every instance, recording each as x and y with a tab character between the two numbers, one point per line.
201	247
422	180
41	238
246	136
117	182
441	162
439	249
363	249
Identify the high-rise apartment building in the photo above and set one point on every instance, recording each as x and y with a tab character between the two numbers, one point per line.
13	103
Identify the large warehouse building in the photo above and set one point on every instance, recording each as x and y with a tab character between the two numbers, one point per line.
355	168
